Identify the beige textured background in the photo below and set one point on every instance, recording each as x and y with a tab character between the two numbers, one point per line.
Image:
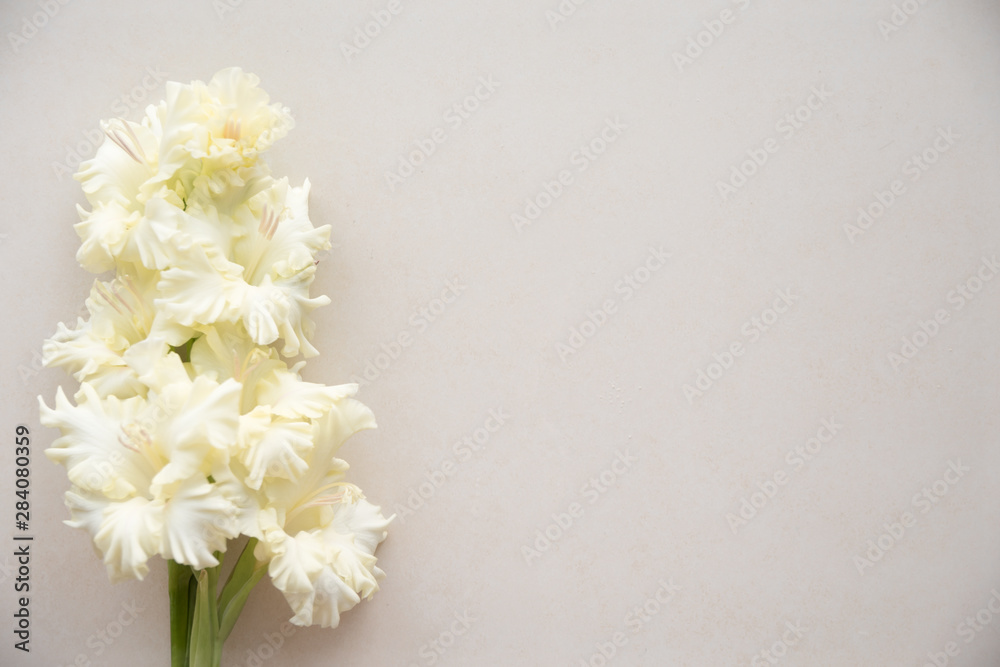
663	517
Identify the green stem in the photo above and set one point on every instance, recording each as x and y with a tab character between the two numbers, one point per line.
200	622
184	350
180	577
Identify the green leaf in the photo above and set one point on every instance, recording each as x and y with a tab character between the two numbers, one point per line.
236	591
231	613
205	627
244	567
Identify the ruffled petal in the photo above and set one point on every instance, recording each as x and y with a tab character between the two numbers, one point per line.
129	536
198	519
274	448
324	572
196	423
122	164
345	418
78	351
364	521
92	447
289	396
206	290
103	233
295	561
243	112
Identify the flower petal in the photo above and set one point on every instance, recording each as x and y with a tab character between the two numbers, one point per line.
90	446
128	537
198	519
206	290
273	447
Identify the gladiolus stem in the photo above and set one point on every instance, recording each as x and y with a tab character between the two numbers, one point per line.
200	622
180	576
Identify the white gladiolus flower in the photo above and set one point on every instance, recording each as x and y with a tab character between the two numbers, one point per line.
98	349
222	124
255	267
319	532
190	427
222	353
146	462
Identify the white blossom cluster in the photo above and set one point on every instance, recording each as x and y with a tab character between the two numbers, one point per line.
190	427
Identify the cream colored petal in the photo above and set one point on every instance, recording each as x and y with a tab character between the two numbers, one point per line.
330	597
78	351
289	396
113	380
121	310
205	290
265	308
279	239
198	520
129	536
274	448
364	521
92	446
249	504
296	561
324	572
345	418
155	365
103	233
196	423
121	164
237	97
